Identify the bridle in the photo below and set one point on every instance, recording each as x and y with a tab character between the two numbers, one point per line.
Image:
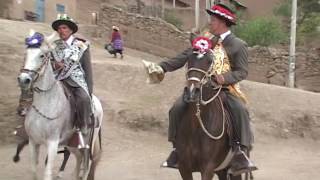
207	77
46	59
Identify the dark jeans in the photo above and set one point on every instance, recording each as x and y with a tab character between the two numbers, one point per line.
175	114
239	116
82	102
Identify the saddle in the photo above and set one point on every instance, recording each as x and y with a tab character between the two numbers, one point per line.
71	98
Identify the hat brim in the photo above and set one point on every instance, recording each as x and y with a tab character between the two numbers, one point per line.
211	13
73	26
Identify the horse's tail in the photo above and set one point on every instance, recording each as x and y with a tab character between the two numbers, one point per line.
96	156
97	143
100	138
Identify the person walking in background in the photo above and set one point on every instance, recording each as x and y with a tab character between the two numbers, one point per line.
116	42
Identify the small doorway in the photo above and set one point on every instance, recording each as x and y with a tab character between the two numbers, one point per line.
40	9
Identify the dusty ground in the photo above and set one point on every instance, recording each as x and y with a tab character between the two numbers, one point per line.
134	138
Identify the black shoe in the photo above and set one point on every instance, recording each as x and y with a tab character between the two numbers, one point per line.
172	161
240	163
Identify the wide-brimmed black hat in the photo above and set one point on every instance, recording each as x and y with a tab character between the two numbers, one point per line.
223	11
64	19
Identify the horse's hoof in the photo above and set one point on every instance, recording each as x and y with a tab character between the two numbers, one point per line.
16	159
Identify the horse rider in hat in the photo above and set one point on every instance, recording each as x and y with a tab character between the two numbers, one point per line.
73	61
236	54
72	64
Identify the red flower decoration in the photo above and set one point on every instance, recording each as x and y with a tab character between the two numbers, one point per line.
202	44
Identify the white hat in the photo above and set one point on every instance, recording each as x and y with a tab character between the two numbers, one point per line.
115	28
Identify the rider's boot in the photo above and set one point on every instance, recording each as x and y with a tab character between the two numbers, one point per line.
20	131
172	160
240	163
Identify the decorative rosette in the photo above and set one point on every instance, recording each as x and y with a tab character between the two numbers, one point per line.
34	41
201	45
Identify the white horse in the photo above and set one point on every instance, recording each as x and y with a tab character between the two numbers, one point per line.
48	121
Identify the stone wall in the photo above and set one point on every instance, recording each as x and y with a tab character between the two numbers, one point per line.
147	34
270	65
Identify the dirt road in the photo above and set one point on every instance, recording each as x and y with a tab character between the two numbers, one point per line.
136	155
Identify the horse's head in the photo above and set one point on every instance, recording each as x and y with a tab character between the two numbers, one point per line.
200	68
36	58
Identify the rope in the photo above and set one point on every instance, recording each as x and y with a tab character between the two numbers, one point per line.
198	115
43	115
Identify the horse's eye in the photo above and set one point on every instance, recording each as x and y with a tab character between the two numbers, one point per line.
41	56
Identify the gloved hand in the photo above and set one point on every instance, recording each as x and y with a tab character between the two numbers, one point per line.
154	72
219	79
58	65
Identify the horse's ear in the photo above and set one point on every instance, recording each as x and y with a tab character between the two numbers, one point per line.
192	37
194	34
31	32
50	39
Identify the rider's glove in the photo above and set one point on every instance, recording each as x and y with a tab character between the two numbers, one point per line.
154	71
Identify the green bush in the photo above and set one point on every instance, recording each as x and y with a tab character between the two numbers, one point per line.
284	9
308	19
172	19
308	30
261	31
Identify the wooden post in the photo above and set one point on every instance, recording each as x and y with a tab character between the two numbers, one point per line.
162	9
292	54
174	3
197	13
208	6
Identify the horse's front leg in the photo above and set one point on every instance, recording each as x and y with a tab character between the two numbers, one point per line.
20	147
34	154
223	175
207	175
76	171
52	153
185	168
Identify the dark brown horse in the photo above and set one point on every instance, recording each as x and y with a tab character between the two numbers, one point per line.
202	138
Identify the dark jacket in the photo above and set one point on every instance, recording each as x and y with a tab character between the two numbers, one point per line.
237	52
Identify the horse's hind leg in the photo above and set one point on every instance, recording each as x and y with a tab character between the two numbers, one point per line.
66	155
52	153
34	152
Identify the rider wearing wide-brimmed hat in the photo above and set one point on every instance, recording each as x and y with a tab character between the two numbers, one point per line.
73	62
236	69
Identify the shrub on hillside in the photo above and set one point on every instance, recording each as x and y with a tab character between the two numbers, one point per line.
261	31
172	19
308	19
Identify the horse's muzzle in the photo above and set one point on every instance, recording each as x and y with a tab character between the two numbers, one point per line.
191	94
25	80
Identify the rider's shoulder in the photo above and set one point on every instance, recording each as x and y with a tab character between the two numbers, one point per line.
81	42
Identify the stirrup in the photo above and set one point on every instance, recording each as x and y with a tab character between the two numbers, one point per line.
82	144
173	158
242	165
